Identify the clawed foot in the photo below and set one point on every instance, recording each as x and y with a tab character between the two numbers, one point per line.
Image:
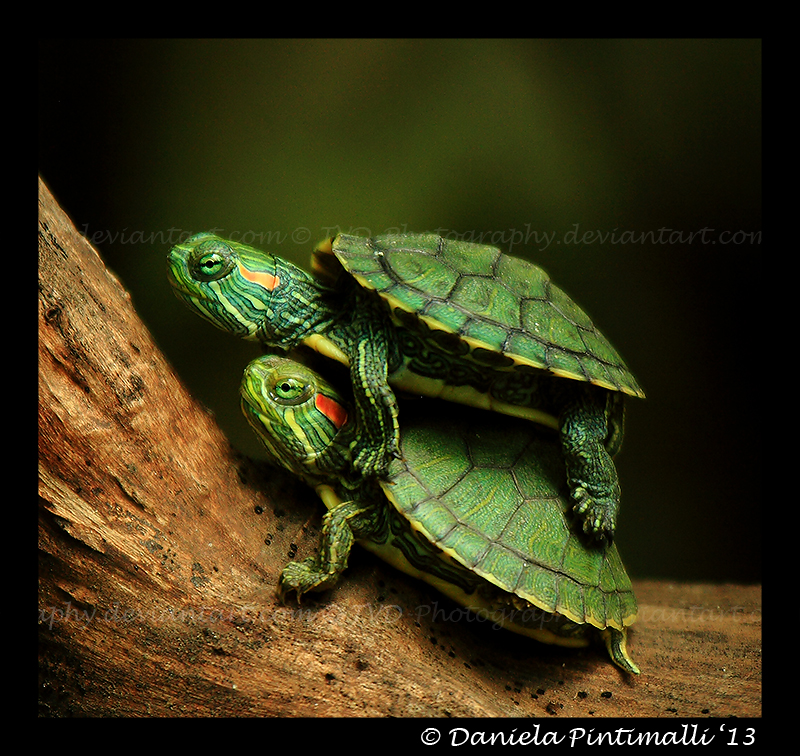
598	515
301	578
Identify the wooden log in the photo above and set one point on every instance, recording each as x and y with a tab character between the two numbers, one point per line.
160	547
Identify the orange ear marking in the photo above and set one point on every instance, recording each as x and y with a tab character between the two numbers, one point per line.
267	281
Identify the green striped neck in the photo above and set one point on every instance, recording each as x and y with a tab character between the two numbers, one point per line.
250	293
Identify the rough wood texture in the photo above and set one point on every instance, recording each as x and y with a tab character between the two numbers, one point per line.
159	548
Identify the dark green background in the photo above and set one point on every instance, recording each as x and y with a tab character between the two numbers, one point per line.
146	141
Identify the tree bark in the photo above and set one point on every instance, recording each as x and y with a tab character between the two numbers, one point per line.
160	548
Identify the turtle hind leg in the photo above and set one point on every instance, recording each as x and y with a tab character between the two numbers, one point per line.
591	474
340	527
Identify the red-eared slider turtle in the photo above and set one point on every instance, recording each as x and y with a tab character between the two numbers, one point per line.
436	317
476	507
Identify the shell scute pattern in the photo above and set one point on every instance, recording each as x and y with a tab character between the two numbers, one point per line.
499	510
503	306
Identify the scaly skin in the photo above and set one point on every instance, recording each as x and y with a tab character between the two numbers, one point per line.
591	473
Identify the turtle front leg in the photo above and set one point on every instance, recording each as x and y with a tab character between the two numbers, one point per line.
591	474
376	443
341	526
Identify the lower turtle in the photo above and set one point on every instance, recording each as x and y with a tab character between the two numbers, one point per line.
477	508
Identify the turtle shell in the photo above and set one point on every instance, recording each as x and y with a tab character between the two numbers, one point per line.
505	309
493	496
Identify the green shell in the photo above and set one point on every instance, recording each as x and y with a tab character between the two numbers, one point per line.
505	308
493	496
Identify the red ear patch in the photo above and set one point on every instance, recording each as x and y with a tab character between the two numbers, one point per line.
266	280
334	411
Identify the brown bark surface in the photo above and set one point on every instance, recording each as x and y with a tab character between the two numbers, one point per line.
160	547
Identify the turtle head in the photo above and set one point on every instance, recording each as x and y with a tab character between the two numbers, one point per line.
300	418
252	294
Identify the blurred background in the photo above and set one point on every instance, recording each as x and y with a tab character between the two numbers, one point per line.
629	170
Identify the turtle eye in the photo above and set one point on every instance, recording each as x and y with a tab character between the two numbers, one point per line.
211	261
290	391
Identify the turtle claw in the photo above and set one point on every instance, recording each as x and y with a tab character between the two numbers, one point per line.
299	578
598	515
